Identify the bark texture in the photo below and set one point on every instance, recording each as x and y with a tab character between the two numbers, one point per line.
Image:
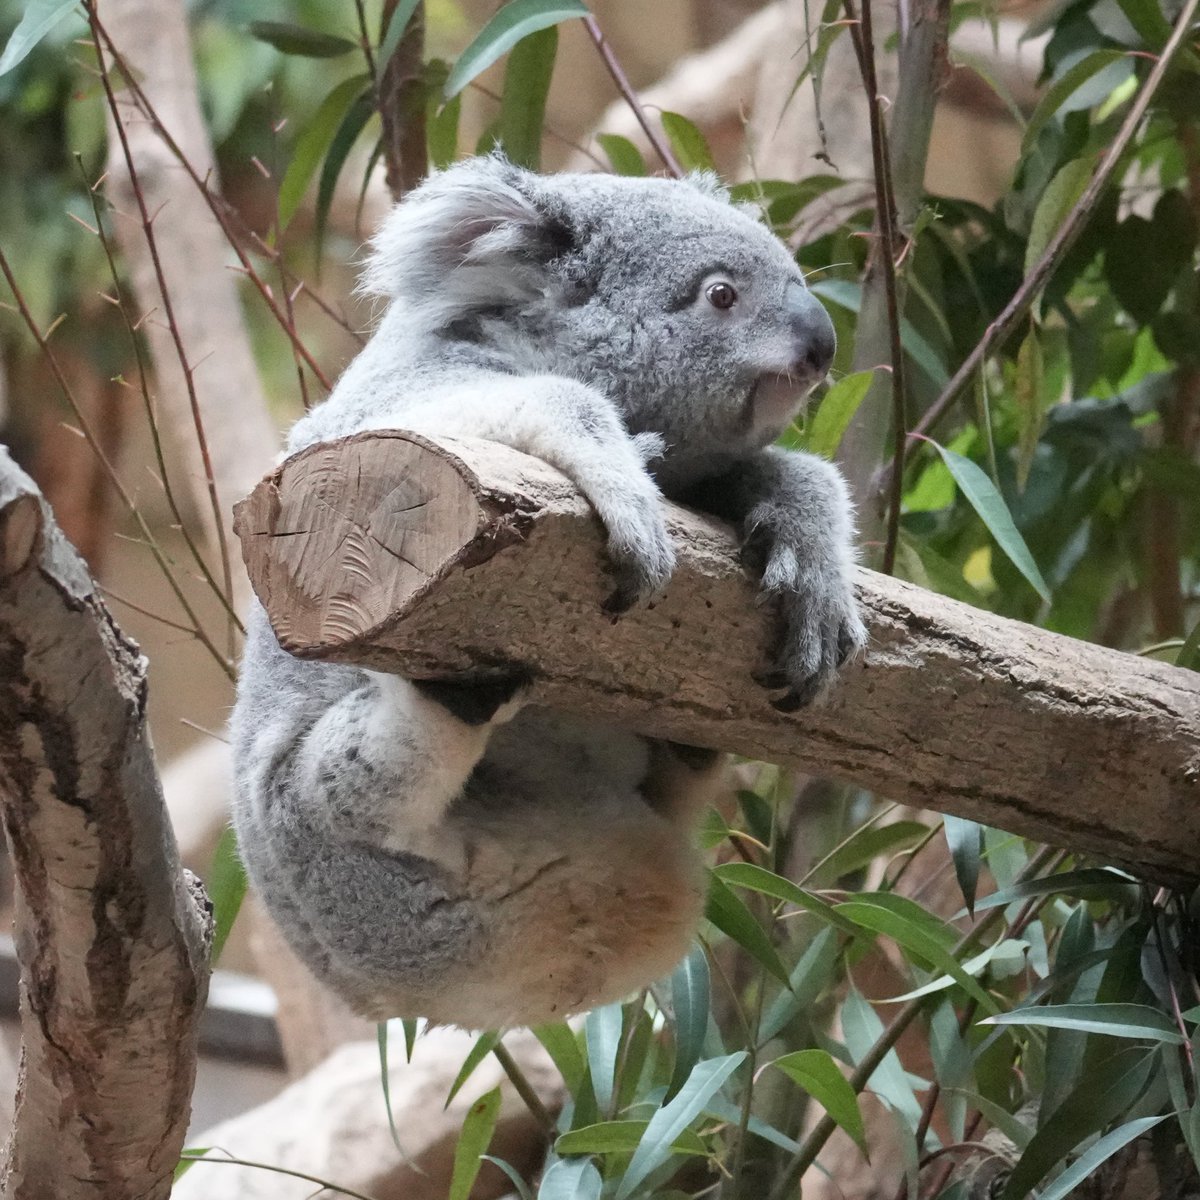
111	934
431	559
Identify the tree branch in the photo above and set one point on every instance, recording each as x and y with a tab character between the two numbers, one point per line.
112	934
431	559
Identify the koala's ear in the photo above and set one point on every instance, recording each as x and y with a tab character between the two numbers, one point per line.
473	236
708	183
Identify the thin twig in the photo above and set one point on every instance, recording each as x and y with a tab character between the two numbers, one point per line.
661	146
1067	232
93	440
219	209
164	479
172	324
885	222
523	1087
146	612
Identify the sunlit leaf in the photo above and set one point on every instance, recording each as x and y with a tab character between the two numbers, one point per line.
836	410
981	494
673	1118
484	1044
296	40
817	1073
516	20
688	143
1116	1020
474	1139
625	157
523	104
195	1154
226	885
621	1137
38	18
1056	96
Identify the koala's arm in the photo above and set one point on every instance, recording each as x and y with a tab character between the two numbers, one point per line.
797	526
578	430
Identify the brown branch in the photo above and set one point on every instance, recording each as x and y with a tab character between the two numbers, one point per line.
399	96
661	146
431	558
112	934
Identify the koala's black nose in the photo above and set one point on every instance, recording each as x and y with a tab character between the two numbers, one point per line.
812	329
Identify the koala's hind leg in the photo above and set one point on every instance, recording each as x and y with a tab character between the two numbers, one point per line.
683	781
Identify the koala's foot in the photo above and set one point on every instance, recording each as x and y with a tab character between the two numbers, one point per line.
639	549
821	628
481	699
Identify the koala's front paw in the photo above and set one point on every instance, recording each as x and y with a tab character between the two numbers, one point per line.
821	625
639	550
481	699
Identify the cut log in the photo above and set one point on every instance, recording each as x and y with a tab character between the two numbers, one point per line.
434	559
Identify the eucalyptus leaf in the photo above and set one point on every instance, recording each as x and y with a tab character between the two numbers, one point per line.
473	1140
1116	1020
690	998
731	916
965	841
523	103
296	40
621	1137
516	20
603	1026
484	1044
983	497
571	1180
226	885
313	143
625	157
836	411
688	143
817	1073
673	1118
1096	1154
38	18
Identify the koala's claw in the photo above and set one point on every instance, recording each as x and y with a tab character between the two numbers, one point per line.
821	627
642	558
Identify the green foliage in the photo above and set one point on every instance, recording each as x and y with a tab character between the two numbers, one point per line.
1059	1005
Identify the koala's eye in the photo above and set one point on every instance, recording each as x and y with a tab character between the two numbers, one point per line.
721	294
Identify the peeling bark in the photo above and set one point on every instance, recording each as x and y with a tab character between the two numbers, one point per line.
111	933
431	559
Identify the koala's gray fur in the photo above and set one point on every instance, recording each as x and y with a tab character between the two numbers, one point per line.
441	850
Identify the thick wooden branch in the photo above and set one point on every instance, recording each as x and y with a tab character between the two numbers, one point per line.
112	935
429	559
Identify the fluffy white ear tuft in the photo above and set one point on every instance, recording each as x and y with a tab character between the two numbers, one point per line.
708	183
468	238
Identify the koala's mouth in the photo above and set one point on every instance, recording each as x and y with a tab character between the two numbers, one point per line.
774	399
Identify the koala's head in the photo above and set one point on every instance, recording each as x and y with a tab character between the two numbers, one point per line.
677	304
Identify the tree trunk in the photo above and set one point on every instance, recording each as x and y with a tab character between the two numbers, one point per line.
431	559
112	935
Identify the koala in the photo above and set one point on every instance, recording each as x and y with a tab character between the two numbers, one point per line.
443	848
